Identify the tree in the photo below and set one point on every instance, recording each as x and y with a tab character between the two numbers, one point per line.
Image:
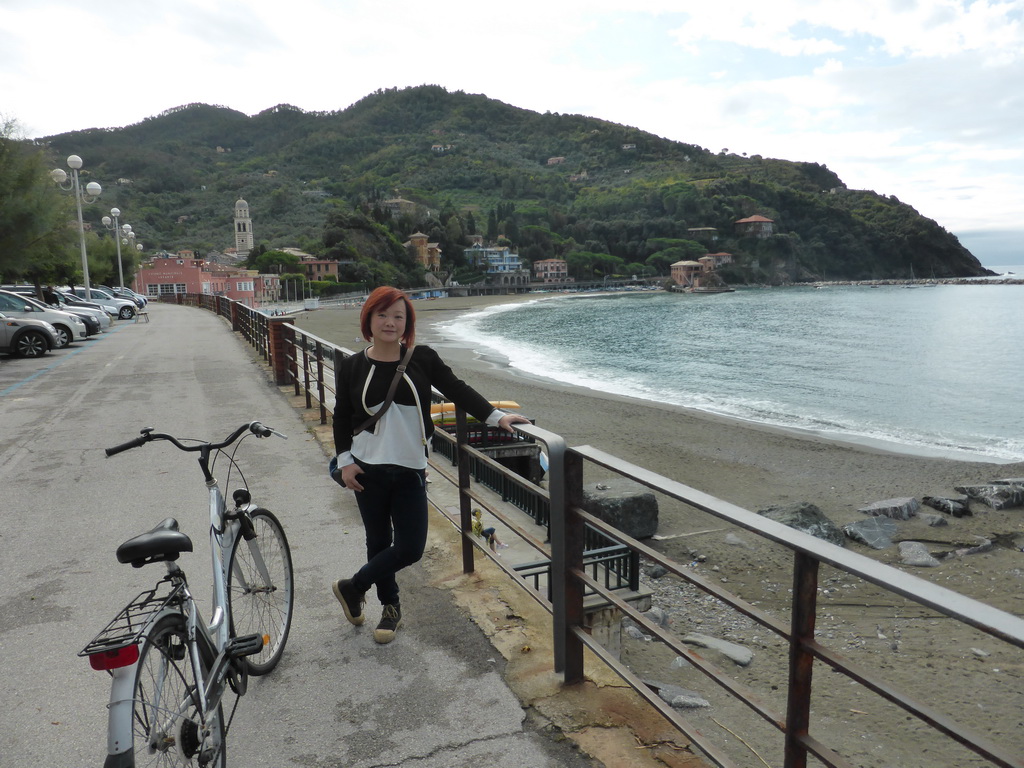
662	261
492	226
277	262
35	240
102	259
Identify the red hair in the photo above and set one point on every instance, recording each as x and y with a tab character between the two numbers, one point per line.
381	299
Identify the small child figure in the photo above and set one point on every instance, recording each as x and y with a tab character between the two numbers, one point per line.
487	533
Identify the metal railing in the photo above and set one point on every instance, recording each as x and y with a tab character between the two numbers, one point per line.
572	578
809	553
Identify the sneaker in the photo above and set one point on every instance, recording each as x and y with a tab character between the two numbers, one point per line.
390	621
351	601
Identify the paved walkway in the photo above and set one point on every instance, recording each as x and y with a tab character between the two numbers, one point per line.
435	698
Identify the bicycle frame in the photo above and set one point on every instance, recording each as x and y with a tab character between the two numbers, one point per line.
210	647
215	635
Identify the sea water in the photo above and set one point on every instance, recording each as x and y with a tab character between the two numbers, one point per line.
935	370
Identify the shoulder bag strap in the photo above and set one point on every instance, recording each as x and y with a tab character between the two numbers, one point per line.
399	372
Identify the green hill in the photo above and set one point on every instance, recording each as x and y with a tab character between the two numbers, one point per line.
610	198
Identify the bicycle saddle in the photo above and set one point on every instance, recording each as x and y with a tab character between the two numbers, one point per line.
163	542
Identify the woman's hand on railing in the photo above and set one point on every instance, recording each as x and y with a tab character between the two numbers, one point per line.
506	421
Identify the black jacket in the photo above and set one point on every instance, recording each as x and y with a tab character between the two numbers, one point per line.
426	370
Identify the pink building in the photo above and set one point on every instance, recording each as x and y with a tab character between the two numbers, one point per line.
551	271
685	272
168	275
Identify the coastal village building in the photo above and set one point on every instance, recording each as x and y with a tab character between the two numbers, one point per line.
712	261
755	226
427	254
686	272
501	265
552	271
267	289
312	267
398	206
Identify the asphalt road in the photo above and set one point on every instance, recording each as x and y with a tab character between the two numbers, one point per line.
434	698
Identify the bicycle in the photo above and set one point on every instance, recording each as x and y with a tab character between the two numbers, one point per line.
170	670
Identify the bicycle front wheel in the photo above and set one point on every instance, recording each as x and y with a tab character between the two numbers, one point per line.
167	728
261	590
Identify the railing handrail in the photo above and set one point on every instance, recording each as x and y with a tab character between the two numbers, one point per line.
984	617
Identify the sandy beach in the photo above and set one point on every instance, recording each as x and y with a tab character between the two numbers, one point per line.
755	467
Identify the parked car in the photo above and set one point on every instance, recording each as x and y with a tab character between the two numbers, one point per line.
25	337
69	327
92	323
95	318
127	293
123	308
74	301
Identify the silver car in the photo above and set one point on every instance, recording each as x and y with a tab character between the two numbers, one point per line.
69	327
123	308
101	316
25	337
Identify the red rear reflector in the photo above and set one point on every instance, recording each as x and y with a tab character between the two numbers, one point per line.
119	657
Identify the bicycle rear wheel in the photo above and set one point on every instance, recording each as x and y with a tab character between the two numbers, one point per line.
167	730
261	590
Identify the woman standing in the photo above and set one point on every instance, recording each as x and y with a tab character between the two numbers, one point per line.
384	461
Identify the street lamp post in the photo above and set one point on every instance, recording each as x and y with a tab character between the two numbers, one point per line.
89	194
125	231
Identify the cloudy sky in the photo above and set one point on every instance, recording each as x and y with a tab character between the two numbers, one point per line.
921	99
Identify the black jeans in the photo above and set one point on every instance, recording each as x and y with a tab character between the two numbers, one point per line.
393	505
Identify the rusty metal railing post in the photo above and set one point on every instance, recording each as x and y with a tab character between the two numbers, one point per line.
278	356
306	368
321	389
465	475
574	535
801	661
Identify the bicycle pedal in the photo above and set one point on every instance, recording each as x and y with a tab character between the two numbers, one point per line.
244	645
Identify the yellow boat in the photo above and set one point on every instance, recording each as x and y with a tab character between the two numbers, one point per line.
445	411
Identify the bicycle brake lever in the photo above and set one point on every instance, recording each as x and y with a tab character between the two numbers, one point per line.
262	430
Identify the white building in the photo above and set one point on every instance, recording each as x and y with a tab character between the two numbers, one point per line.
500	264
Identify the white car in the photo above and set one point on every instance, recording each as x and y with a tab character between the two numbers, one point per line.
123	308
69	327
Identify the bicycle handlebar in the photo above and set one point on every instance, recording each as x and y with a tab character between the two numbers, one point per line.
126	446
148	435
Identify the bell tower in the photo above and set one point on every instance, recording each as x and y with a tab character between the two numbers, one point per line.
243	228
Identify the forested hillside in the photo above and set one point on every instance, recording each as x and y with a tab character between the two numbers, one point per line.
609	198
